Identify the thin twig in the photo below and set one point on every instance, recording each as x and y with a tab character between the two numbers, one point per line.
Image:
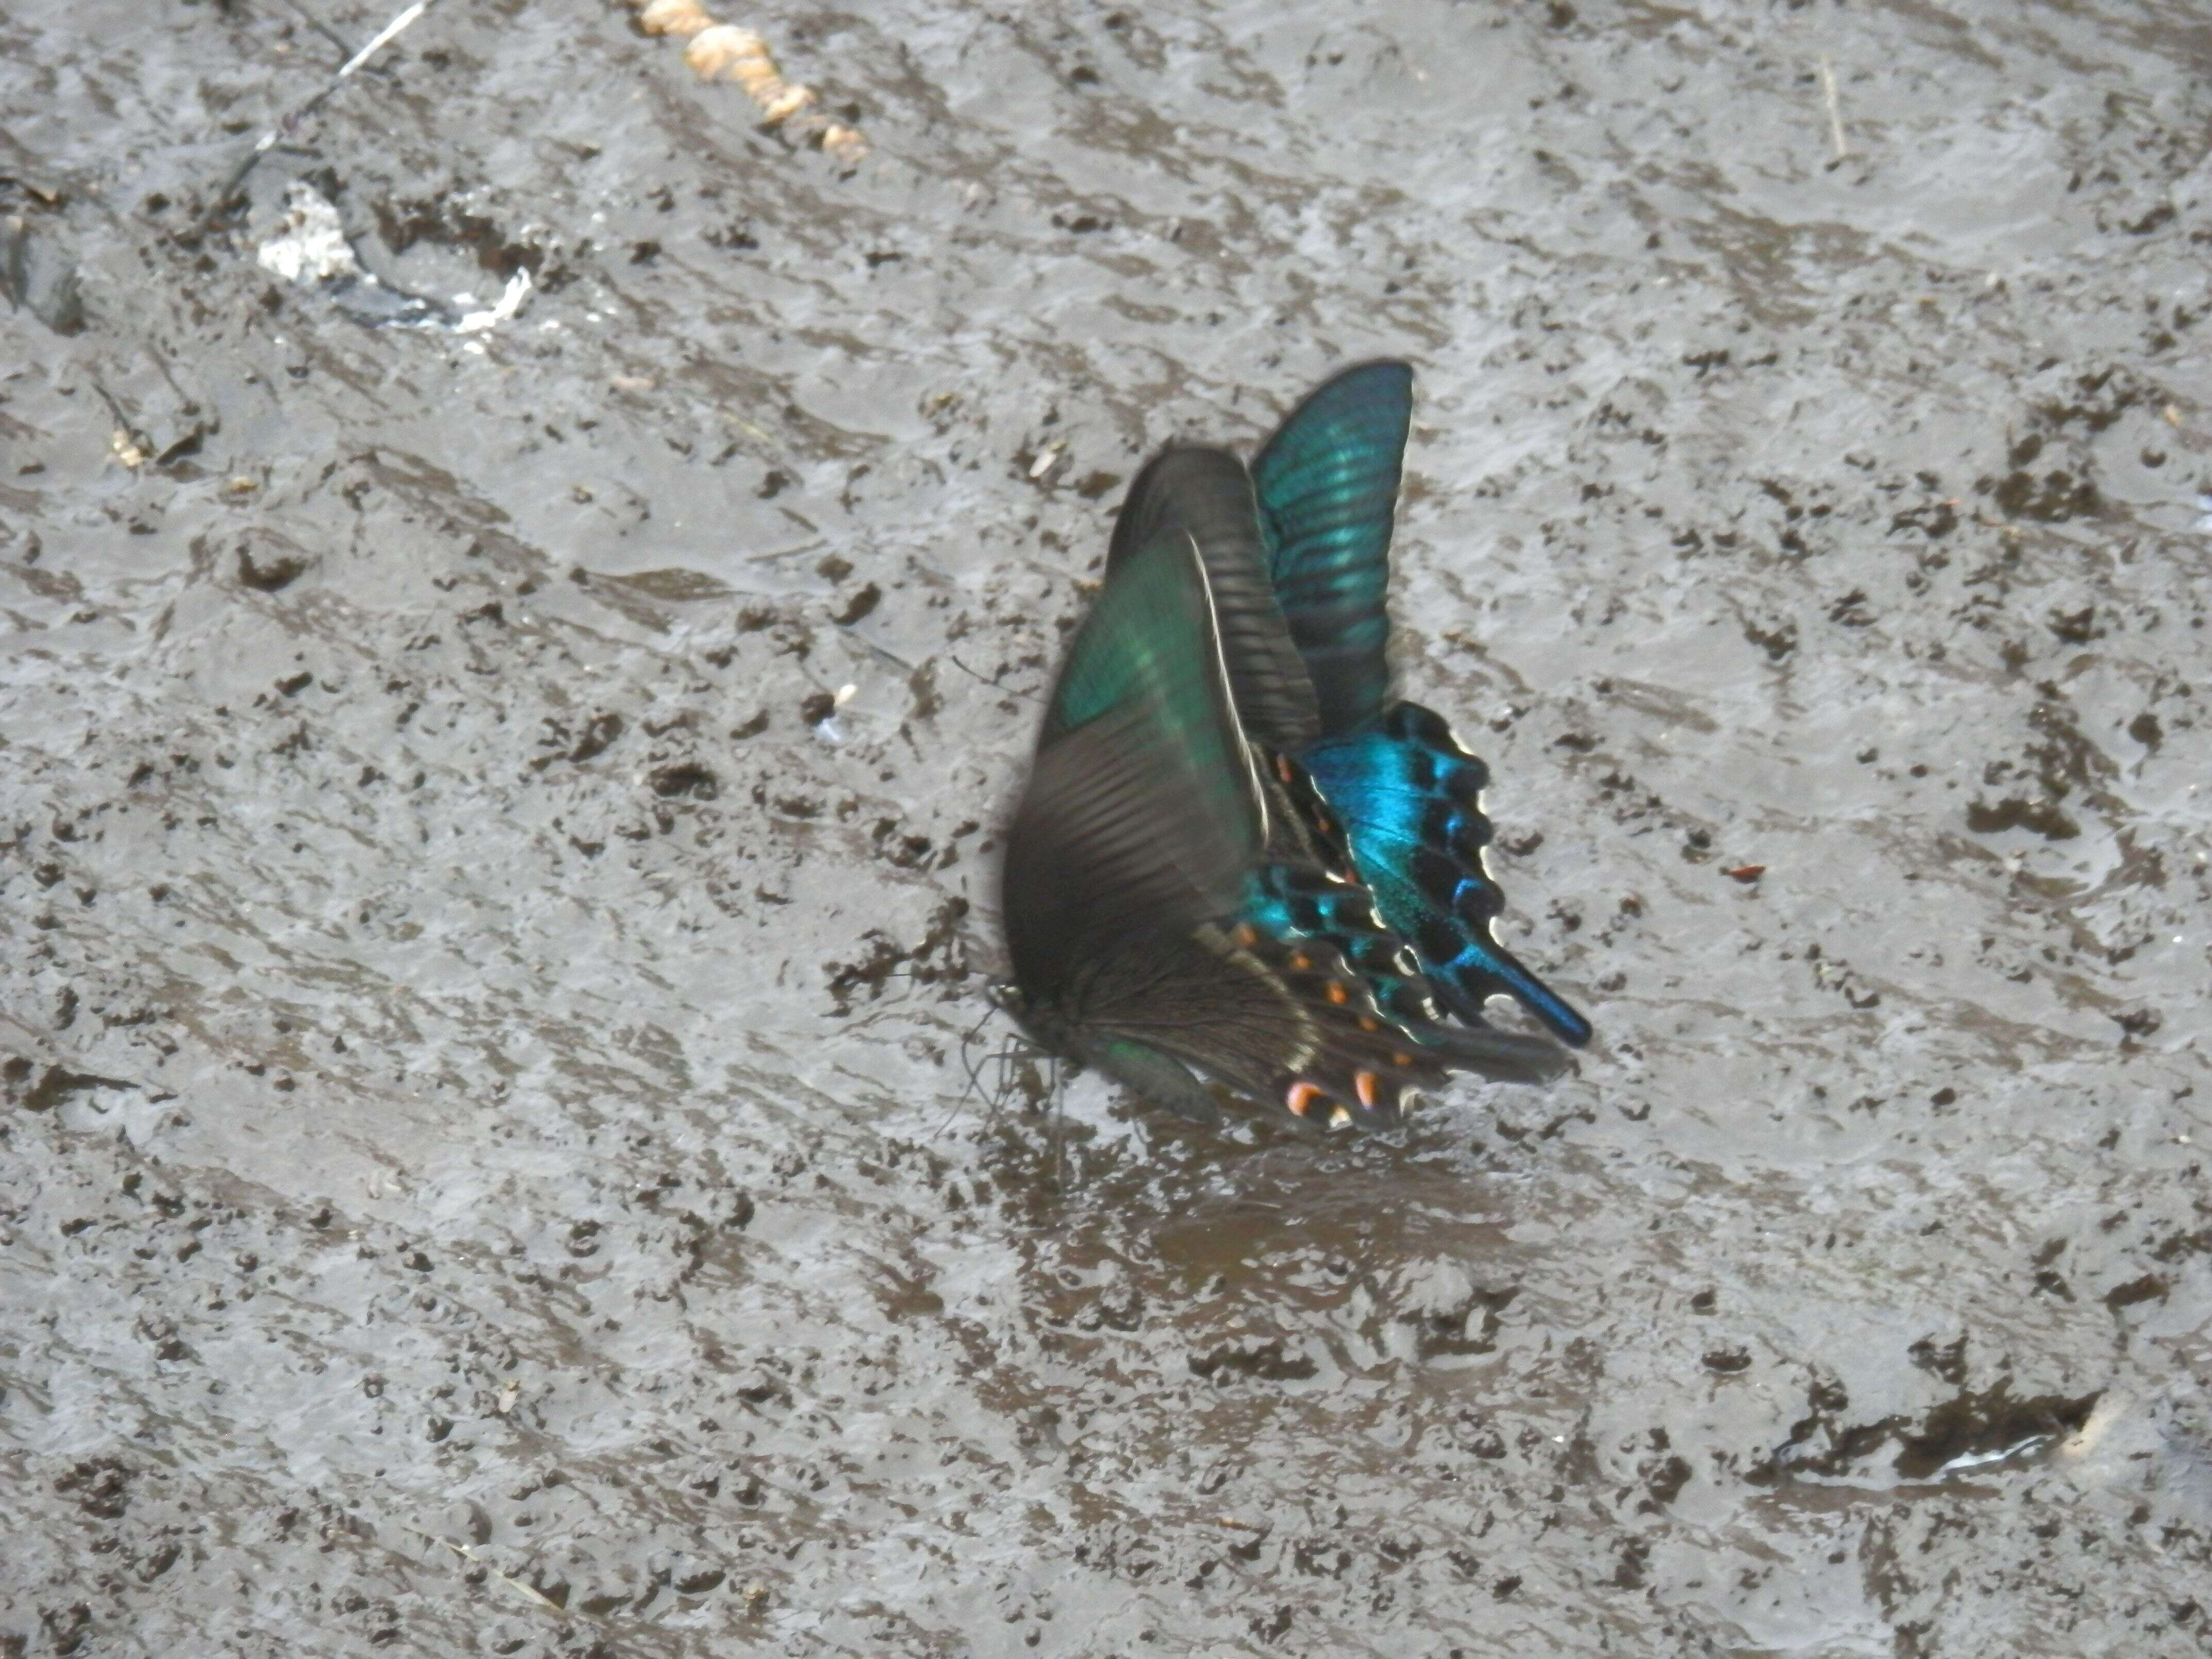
867	644
383	37
1835	112
345	50
289	122
474	1560
140	445
994	685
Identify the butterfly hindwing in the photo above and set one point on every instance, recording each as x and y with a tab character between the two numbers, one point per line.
1320	910
1410	800
1408	795
1327	490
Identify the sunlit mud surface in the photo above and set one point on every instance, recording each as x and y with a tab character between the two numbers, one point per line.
484	1166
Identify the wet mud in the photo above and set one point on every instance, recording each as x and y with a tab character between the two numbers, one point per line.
497	837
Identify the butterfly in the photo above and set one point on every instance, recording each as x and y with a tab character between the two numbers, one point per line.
1171	909
1298	549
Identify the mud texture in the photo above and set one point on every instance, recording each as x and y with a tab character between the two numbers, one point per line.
483	1166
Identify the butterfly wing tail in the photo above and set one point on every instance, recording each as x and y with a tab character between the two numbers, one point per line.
1503	1056
1485	969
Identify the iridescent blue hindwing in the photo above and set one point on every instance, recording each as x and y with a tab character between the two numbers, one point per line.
1323	921
1410	799
1293	904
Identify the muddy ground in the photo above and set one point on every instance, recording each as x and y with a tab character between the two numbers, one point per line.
484	1166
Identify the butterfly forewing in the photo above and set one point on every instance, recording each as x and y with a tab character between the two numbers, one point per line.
1208	493
1142	812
